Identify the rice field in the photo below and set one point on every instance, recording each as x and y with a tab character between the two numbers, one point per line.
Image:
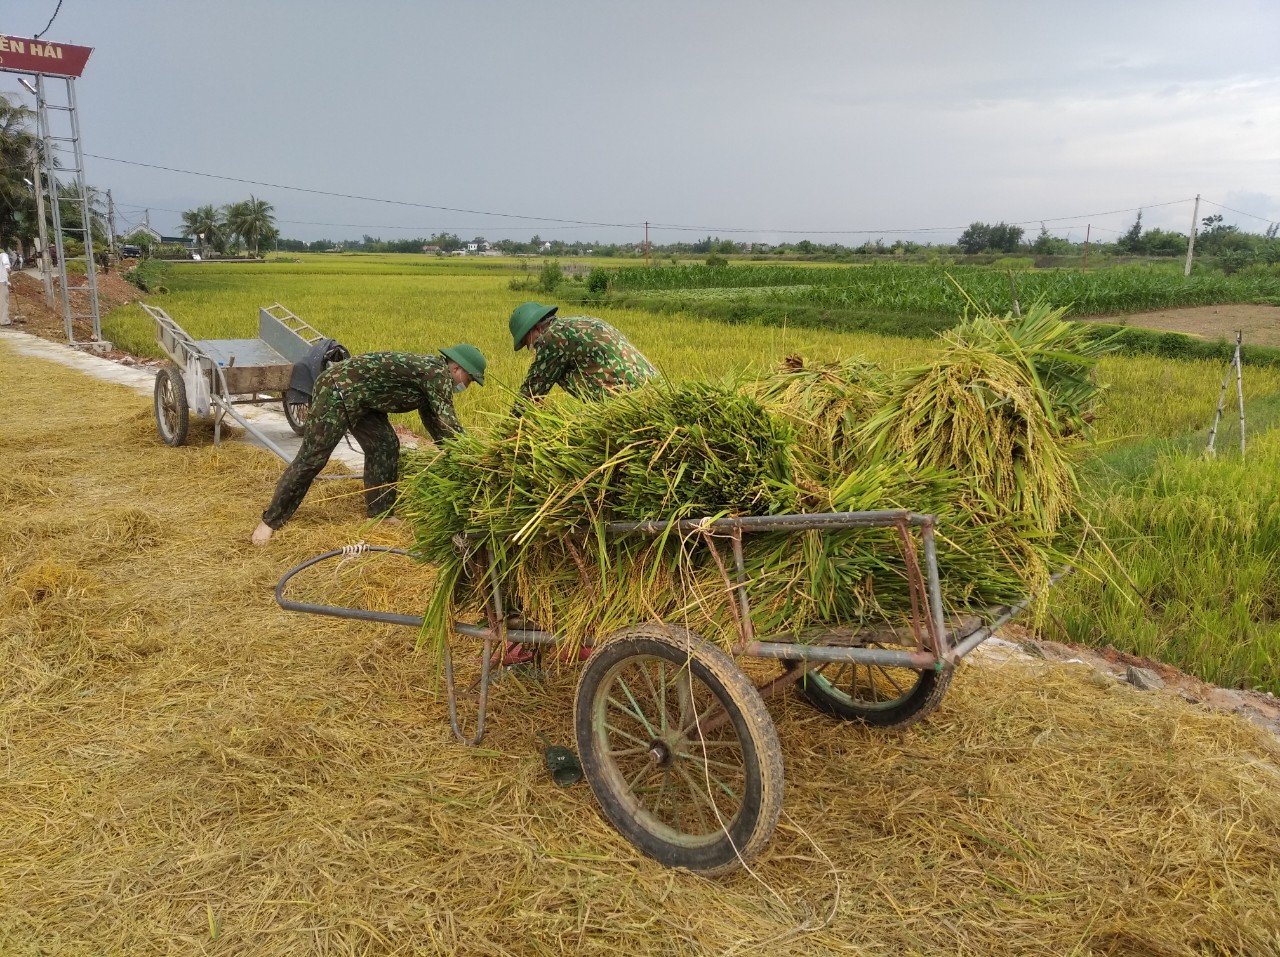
422	303
406	302
1197	586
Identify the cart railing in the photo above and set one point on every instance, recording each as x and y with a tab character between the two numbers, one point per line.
934	647
288	334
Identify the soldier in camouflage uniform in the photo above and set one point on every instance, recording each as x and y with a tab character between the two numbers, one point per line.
355	396
583	355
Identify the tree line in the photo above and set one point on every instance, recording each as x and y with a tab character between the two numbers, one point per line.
248	224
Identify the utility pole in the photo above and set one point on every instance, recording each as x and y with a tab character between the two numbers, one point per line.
1087	230
111	224
646	243
46	267
1191	241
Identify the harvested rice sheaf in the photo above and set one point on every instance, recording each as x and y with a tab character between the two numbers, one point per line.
984	438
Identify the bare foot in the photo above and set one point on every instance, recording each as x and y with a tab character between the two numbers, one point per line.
262	534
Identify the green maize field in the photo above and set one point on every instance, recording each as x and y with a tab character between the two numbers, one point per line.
936	290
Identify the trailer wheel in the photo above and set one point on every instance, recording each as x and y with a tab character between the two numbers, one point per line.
296	414
880	695
171	406
678	748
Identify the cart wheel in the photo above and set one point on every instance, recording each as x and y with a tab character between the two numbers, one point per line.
297	413
885	696
171	406
679	749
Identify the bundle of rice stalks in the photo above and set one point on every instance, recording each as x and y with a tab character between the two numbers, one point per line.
826	405
1060	357
535	492
1003	407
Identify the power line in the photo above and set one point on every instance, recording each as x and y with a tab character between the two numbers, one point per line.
367	199
307	222
583	222
50	23
1265	219
921	229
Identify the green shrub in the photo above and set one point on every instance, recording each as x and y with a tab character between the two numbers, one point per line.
550	276
149	275
598	280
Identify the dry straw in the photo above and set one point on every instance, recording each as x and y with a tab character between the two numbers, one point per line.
186	769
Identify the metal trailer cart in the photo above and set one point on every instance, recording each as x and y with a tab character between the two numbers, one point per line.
219	374
674	737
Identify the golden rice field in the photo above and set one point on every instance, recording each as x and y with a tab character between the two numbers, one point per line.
415	303
418	303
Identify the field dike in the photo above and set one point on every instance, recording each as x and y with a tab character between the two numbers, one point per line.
188	769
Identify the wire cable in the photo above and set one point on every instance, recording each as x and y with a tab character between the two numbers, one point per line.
367	199
631	225
1241	212
922	229
50	23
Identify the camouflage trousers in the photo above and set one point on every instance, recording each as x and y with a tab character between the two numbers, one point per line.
325	428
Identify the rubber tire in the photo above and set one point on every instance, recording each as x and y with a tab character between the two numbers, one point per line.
928	692
170	378
296	414
754	824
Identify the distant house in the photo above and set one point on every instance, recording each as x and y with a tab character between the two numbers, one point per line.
432	250
475	248
145	230
546	247
188	241
459	252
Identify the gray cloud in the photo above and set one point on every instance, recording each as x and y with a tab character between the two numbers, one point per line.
808	115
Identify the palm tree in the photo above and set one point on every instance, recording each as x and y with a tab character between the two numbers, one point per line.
17	142
251	220
205	223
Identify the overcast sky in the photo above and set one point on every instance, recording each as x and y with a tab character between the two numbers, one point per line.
759	116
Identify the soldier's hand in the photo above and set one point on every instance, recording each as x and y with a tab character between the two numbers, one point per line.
262	534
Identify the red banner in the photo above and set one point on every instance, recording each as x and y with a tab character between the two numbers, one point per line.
20	55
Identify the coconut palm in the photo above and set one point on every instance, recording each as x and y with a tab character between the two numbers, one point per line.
251	220
206	223
17	141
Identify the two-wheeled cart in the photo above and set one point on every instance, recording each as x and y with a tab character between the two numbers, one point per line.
674	737
217	375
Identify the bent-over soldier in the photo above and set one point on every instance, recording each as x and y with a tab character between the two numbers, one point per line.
356	395
585	356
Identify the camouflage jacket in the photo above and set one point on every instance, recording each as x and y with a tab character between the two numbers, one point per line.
587	358
395	382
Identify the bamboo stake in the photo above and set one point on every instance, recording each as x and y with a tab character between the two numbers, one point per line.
1240	387
1217	416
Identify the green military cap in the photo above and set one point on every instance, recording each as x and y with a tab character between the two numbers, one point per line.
524	317
470	358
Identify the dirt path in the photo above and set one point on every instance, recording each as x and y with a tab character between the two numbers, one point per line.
1260	324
